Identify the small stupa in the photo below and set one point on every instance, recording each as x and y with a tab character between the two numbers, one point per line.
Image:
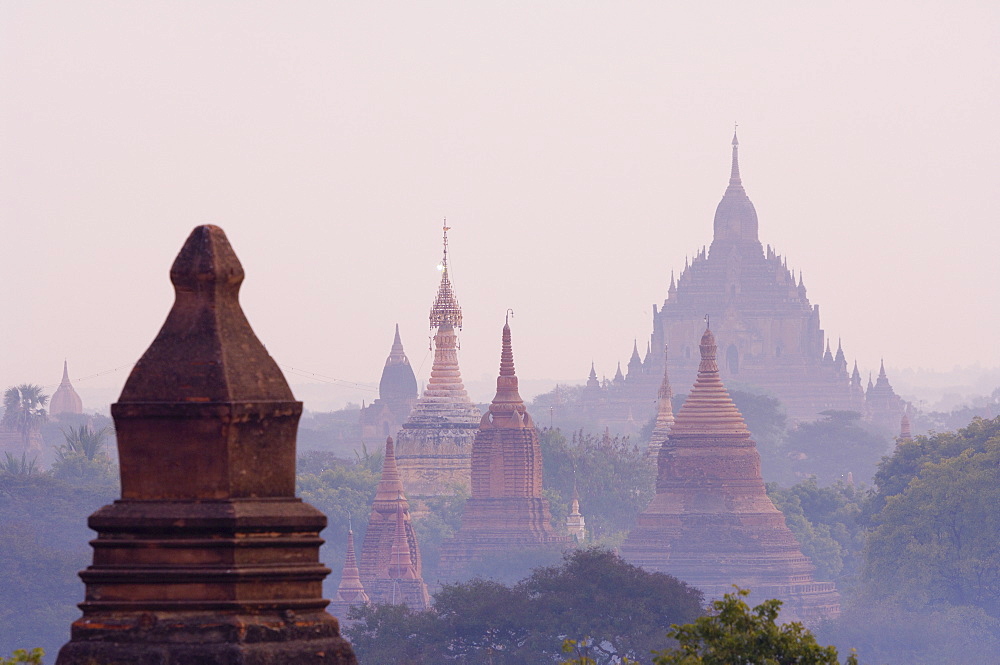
388	575
711	523
664	415
350	591
65	399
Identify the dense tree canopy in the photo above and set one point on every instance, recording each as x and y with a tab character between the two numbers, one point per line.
624	610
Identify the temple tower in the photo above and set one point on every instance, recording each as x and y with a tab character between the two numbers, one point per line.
65	399
711	523
389	529
769	334
208	557
506	511
664	415
397	395
350	591
435	443
885	407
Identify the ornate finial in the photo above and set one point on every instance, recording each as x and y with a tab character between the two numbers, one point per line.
708	322
445	310
508	316
350	526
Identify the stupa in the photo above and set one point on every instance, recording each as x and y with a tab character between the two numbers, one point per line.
506	511
208	557
885	407
350	591
434	446
390	567
711	523
397	394
664	415
65	399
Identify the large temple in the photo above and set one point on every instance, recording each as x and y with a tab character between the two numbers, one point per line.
397	395
390	567
711	523
434	446
506	511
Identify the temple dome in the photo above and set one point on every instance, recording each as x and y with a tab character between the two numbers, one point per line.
65	399
735	216
398	381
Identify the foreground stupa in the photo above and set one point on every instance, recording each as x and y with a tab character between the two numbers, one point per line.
506	512
434	447
711	523
208	557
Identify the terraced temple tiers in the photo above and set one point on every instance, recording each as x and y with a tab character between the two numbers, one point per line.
434	447
506	511
711	523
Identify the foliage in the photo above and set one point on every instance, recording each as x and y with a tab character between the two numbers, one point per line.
24	410
441	522
735	634
938	541
838	444
23	656
18	467
614	480
43	543
624	609
826	522
82	459
581	651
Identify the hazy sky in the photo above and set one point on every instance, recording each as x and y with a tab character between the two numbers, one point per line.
578	150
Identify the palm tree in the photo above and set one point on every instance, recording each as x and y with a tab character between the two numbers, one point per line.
82	442
18	467
24	410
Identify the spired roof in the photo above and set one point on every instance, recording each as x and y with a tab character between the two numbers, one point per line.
445	311
709	410
398	381
507	409
735	217
390	485
65	399
351	590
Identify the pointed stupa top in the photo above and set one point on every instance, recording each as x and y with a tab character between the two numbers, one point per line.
905	433
735	217
398	381
840	353
634	361
882	385
400	562
734	174
445	311
649	354
390	485
507	409
870	384
673	285
65	399
619	377
593	372
856	375
709	410
351	590
828	356
664	411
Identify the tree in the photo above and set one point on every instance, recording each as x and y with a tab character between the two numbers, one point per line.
18	467
23	656
735	634
82	458
24	410
838	444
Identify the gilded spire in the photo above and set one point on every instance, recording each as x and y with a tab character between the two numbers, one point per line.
351	590
709	411
445	311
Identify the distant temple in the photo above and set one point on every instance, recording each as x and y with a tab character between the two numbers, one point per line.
768	332
664	416
390	567
435	443
397	394
506	511
711	523
65	399
885	408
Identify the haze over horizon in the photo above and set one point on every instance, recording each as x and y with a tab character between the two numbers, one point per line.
578	151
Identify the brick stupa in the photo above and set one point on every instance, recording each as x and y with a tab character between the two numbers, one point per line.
65	399
208	557
435	443
711	523
350	591
664	415
390	567
506	512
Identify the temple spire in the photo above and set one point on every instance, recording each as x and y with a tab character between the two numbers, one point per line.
400	562
507	408
734	176
445	311
351	591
